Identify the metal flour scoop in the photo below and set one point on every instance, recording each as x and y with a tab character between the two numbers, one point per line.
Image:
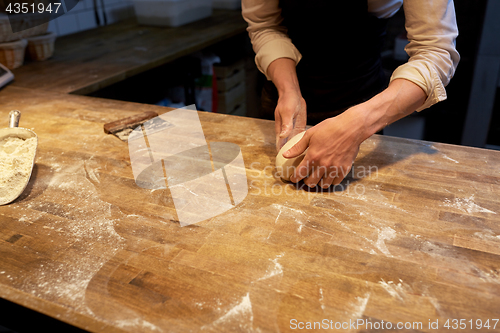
17	157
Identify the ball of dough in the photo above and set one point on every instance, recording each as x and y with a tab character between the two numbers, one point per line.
286	166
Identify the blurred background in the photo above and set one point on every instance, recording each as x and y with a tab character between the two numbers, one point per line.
222	77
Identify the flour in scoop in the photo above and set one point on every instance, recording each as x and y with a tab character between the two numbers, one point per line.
16	158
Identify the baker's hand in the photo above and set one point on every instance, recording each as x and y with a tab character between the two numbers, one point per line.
334	143
333	146
290	117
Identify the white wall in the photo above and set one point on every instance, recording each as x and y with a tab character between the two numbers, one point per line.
82	16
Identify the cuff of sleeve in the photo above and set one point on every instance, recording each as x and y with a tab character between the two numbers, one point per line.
433	86
273	50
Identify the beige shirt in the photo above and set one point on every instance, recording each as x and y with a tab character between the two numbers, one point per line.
430	24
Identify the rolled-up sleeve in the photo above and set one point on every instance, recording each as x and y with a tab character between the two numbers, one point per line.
268	36
432	31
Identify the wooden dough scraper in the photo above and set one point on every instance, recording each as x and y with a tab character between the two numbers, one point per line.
123	127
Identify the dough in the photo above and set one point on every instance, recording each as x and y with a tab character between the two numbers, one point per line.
286	166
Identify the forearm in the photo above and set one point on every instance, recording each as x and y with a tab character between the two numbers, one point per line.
290	114
284	76
400	99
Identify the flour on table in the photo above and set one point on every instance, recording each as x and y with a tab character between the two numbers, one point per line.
466	205
16	158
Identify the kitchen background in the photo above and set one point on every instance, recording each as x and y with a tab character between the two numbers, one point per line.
239	82
83	16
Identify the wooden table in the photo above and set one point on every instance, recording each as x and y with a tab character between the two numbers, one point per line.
90	60
415	240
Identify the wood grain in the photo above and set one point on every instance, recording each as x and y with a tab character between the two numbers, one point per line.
91	60
491	245
408	237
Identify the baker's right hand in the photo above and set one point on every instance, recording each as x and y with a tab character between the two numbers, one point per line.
290	117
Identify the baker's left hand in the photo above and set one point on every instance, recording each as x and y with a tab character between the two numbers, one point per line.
333	146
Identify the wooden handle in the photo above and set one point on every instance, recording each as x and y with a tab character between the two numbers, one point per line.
14	117
128	122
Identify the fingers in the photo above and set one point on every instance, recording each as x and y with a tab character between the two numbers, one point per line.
298	148
300	173
286	125
328	179
277	128
280	142
303	170
311	175
289	114
301	120
320	175
283	124
334	176
341	175
315	177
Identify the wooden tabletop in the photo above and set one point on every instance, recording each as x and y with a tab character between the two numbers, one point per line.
413	237
90	60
